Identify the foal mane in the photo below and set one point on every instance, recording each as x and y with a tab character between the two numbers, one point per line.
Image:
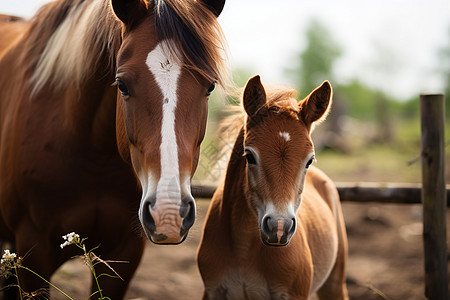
67	39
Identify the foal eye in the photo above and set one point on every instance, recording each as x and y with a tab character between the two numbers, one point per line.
250	158
122	87
309	162
210	89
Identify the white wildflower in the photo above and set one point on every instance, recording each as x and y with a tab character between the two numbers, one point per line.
70	238
8	257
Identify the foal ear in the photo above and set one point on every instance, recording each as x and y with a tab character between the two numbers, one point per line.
129	11
254	95
216	6
316	105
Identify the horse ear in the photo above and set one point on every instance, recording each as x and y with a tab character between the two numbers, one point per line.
316	105
254	95
216	6
129	11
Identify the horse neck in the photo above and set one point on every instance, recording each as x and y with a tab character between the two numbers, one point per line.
88	110
91	113
69	64
236	198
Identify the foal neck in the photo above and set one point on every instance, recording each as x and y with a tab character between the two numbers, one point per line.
237	202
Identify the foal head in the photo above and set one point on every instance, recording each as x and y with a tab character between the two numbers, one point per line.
167	66
278	151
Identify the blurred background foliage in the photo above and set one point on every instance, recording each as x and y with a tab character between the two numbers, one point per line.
368	136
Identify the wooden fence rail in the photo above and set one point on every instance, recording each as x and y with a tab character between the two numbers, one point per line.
357	192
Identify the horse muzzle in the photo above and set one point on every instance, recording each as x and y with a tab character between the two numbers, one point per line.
277	231
167	222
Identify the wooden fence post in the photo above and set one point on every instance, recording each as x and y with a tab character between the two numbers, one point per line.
434	196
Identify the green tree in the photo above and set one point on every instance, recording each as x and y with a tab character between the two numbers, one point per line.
445	67
315	62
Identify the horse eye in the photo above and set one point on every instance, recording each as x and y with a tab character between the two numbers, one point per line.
309	162
250	158
210	89
122	88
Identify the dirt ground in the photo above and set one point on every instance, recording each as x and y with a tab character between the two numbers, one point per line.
385	259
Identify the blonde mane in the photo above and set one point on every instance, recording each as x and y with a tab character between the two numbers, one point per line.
68	38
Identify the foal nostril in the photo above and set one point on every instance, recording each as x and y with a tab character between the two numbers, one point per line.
290	226
187	212
267	225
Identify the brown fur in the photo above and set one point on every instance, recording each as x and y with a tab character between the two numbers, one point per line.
60	166
11	29
233	261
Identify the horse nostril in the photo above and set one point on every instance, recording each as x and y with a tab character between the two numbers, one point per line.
148	220
185	207
187	212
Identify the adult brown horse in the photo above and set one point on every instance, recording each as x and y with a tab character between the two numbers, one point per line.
79	153
275	229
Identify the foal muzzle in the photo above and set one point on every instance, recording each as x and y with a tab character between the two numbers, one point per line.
277	231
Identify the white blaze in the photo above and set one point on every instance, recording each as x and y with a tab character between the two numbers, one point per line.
166	71
285	135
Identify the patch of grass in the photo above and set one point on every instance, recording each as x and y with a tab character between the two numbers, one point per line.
394	161
378	163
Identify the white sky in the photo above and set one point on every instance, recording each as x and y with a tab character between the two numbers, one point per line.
264	36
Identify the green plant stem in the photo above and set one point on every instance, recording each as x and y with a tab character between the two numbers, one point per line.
48	282
18	283
91	264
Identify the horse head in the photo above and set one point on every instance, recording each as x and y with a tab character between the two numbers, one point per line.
167	67
278	151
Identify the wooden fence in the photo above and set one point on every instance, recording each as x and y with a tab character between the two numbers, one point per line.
364	192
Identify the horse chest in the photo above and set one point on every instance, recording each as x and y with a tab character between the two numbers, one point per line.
240	284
